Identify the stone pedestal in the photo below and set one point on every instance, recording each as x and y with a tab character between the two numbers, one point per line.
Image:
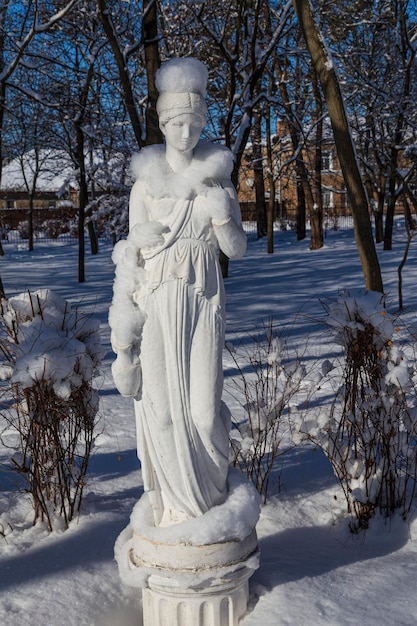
202	596
223	605
194	573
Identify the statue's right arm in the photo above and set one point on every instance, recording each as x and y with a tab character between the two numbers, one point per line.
138	213
144	232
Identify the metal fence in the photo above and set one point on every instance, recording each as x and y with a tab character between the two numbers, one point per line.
54	234
330	223
285	218
343	222
15	240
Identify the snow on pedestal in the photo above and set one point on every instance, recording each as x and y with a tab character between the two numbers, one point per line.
196	572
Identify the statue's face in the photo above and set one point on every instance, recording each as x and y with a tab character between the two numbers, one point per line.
183	131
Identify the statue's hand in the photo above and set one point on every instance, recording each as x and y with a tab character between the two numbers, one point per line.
148	234
127	374
216	205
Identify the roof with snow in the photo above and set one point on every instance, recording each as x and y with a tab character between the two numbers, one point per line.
51	169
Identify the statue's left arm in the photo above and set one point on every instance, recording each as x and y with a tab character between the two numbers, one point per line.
229	231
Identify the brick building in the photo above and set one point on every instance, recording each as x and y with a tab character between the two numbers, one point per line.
335	199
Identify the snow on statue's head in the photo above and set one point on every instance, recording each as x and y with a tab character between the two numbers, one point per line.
181	84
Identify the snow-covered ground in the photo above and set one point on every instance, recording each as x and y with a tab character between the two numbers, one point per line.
313	572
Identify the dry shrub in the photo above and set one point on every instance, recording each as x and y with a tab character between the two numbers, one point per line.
369	431
265	384
50	355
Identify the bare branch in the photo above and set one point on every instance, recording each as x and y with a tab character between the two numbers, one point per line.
35	30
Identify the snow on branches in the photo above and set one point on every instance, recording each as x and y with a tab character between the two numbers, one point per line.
49	355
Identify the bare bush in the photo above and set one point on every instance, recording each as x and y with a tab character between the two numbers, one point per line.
369	430
266	382
50	353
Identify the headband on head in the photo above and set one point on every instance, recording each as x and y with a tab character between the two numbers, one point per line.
170	105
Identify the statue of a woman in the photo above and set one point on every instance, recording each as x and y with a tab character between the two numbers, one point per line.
168	311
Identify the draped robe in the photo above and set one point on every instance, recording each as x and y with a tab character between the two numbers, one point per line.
182	433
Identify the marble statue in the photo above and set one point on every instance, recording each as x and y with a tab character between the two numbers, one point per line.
168	311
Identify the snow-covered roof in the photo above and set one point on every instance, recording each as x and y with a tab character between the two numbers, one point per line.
53	168
56	173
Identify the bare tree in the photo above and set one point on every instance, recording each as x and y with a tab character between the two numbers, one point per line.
346	152
125	53
407	57
77	91
19	29
291	108
375	43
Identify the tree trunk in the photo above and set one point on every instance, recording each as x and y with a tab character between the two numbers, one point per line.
240	146
410	228
3	14
2	111
316	217
224	264
399	129
258	175
379	225
81	243
92	233
344	145
379	216
410	220
301	207
378	211
223	258
92	226
30	222
270	211
389	218
316	224
152	63
83	201
392	185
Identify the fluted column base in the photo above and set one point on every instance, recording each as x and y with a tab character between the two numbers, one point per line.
194	573
223	605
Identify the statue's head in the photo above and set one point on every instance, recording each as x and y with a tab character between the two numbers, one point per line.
181	84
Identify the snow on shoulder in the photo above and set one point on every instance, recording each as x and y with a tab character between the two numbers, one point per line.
210	161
